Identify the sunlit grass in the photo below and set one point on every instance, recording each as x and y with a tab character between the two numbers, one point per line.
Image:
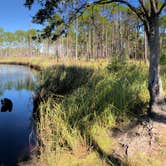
144	160
48	61
62	145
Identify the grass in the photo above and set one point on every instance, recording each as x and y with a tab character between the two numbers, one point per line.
80	105
81	102
49	61
62	145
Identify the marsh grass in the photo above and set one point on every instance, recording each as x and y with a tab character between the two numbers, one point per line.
92	100
48	61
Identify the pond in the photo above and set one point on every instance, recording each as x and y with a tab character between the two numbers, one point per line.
17	84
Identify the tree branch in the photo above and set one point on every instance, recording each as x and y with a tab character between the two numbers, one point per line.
155	5
161	8
143	7
140	14
152	8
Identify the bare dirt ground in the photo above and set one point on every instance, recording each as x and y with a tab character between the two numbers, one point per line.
144	136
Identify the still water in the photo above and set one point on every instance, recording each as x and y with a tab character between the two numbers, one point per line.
17	84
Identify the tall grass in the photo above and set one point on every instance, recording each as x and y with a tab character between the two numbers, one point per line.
80	104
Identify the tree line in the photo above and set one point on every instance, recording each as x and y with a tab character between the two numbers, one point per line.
18	43
101	32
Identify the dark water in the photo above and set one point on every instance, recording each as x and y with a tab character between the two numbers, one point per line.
16	127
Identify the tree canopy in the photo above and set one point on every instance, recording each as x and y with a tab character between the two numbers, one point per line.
57	15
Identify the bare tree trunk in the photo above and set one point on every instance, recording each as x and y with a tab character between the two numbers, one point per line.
106	43
90	44
47	47
154	83
145	42
29	46
87	46
145	47
76	49
135	45
62	49
67	46
94	43
113	40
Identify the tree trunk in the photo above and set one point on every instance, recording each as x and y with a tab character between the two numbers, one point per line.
145	47
154	83
76	45
67	46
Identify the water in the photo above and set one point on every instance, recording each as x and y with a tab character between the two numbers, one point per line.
16	126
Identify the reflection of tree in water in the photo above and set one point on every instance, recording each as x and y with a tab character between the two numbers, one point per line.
27	83
17	77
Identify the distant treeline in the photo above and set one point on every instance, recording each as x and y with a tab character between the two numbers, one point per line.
99	33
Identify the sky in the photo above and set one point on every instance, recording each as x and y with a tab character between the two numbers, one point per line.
14	15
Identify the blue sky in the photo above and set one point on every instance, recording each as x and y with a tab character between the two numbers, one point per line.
14	16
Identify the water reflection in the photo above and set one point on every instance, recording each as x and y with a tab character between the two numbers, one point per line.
16	90
18	77
7	105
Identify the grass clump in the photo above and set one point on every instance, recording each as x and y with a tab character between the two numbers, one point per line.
61	144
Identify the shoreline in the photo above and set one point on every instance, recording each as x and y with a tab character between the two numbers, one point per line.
35	67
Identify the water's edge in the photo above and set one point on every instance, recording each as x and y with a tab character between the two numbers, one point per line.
32	66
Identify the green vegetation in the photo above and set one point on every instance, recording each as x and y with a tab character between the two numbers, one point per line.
81	104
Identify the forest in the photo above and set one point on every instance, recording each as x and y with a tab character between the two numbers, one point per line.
101	32
98	82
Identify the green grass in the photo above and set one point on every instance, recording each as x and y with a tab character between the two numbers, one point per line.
81	104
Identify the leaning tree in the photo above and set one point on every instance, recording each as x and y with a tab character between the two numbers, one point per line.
57	15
